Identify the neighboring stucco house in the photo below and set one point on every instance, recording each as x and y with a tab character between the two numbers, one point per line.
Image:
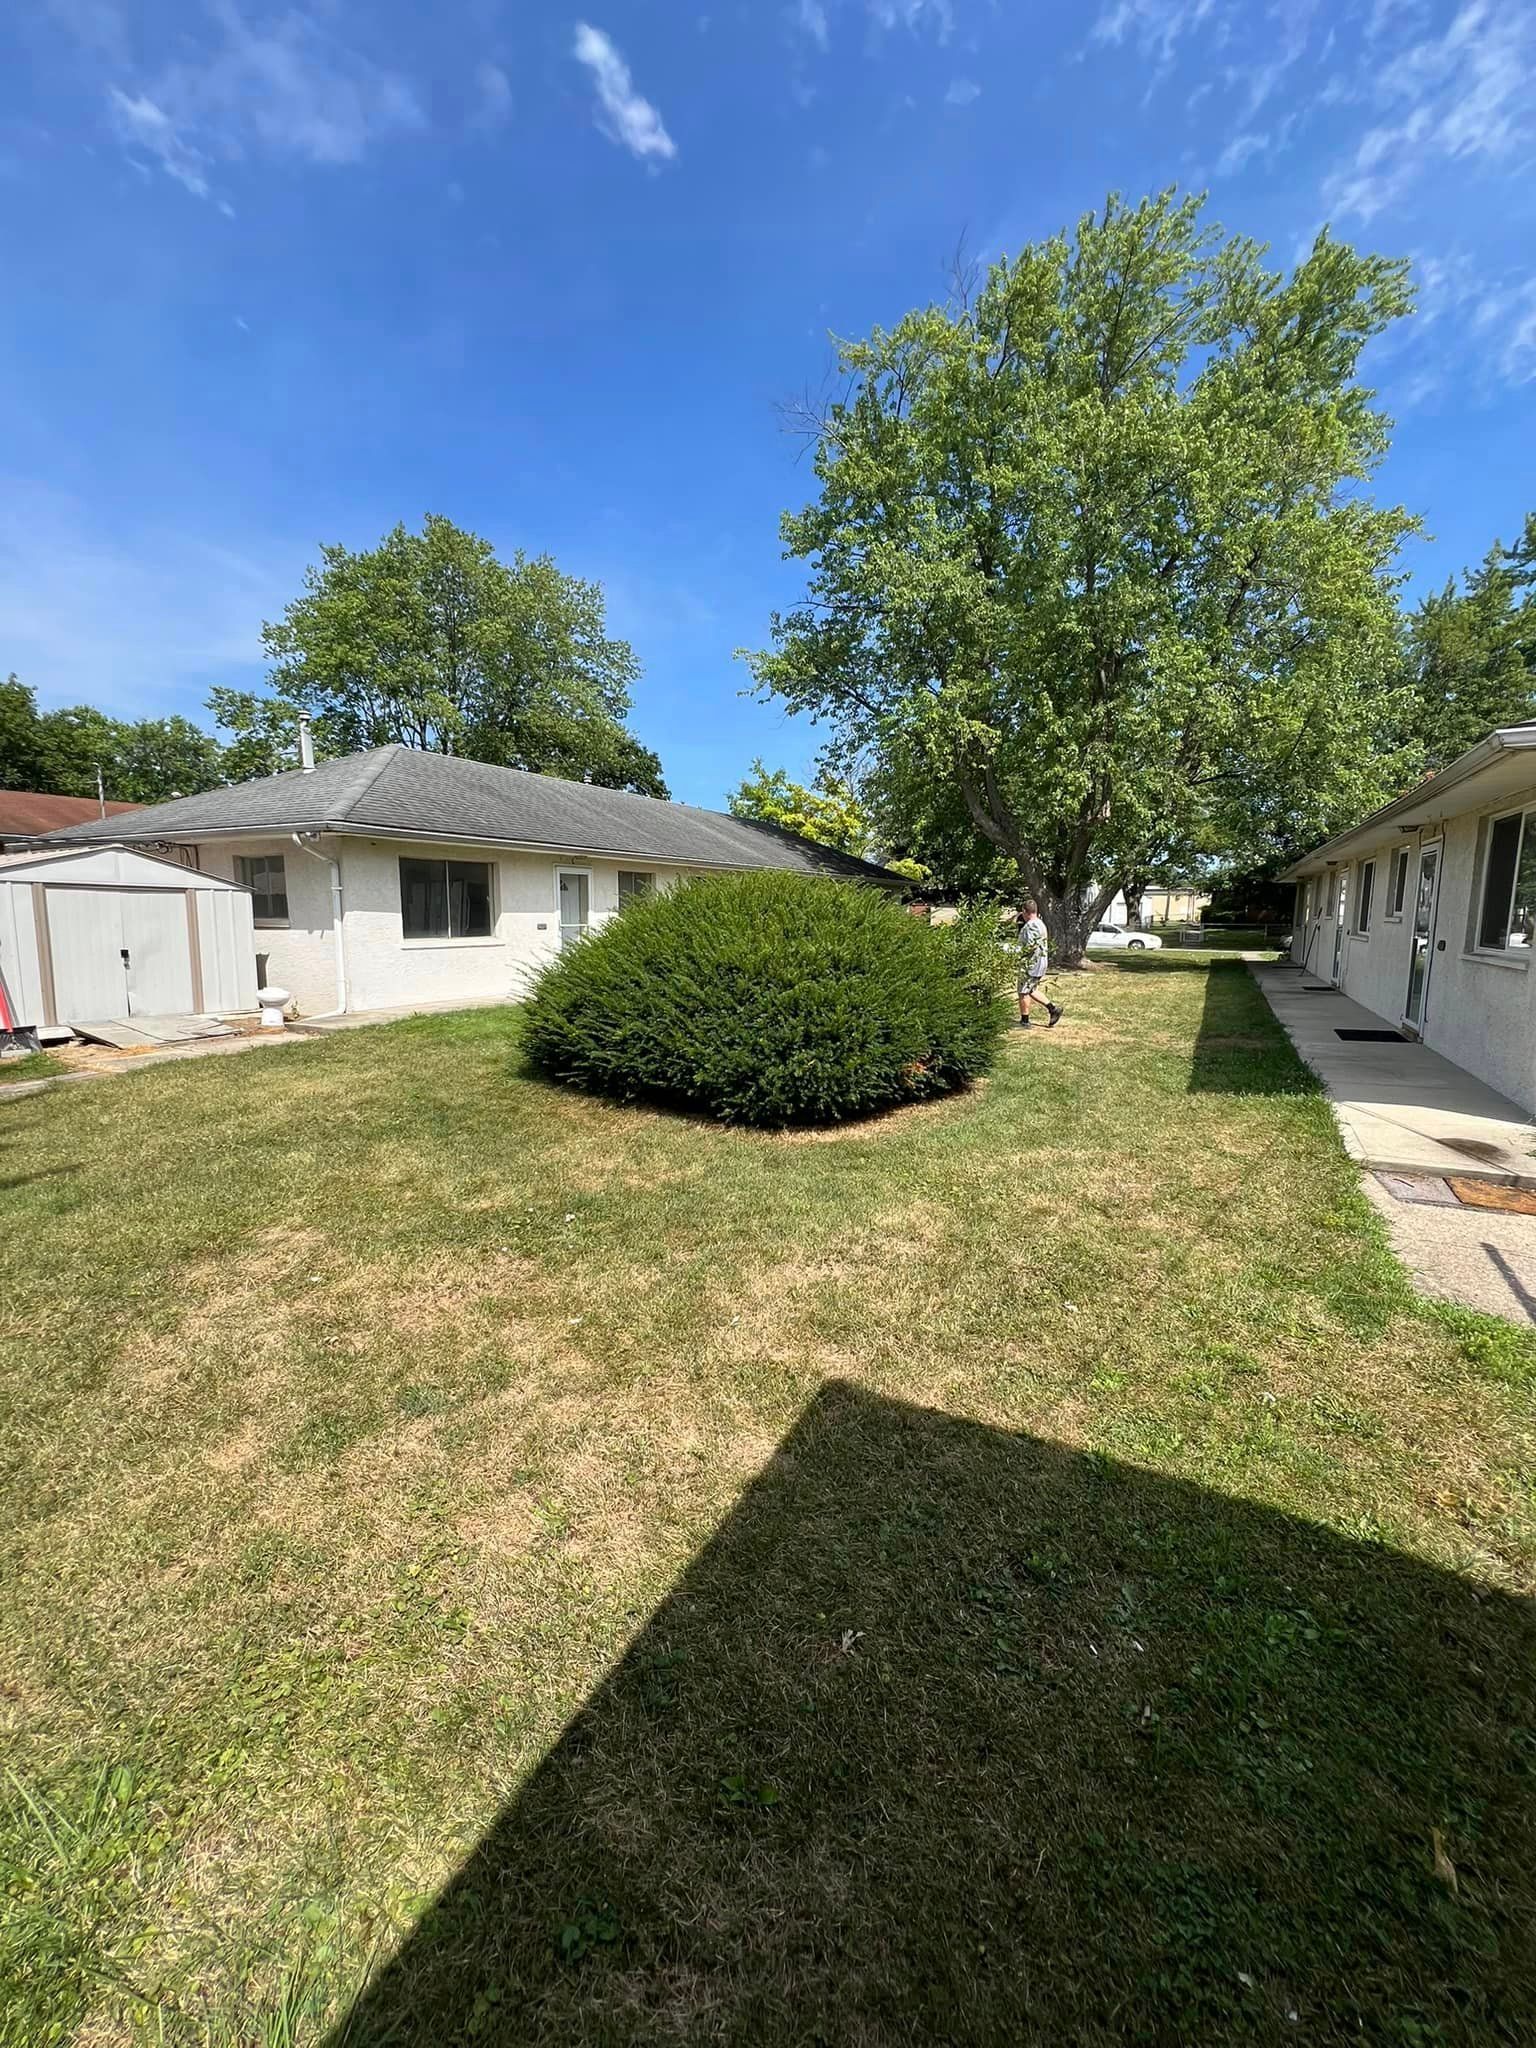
1425	913
395	877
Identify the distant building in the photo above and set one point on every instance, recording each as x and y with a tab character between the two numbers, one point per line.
27	814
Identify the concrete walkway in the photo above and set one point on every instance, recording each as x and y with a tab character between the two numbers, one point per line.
1472	1256
1400	1108
1403	1110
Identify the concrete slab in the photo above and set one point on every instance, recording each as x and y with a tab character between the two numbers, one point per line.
1400	1108
1468	1256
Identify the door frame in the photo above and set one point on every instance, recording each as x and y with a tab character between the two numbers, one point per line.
560	871
1437	848
1340	907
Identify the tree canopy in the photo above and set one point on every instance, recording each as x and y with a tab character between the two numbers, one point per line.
430	640
1092	559
1472	653
829	813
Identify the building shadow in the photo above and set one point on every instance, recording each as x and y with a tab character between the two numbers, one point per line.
1517	1287
953	1735
1241	1047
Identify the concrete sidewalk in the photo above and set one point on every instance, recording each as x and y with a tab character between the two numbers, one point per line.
1400	1108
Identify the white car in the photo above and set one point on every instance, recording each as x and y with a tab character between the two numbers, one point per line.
1105	936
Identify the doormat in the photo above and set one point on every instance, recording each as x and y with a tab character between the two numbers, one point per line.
1373	1037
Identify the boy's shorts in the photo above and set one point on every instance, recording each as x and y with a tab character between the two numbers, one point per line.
1028	983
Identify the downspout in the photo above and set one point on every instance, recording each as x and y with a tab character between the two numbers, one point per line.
336	925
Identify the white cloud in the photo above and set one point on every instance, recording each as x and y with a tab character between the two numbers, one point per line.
286	88
624	116
142	125
962	91
1237	153
1462	95
913	15
1155	26
494	96
811	19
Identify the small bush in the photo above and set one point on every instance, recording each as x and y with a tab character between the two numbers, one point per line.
763	999
983	951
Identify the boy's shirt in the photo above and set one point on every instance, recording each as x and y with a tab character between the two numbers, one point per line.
1034	946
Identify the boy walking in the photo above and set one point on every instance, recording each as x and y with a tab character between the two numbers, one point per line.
1034	964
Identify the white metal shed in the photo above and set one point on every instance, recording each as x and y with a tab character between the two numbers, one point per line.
98	933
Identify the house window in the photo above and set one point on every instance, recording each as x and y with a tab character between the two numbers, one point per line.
1397	888
263	875
633	884
1507	915
445	899
1363	899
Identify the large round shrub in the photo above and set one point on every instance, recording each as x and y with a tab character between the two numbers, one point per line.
764	999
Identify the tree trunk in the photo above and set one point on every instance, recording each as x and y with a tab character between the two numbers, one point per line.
1135	889
1069	918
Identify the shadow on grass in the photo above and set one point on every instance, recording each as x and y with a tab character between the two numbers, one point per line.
953	1735
1240	1048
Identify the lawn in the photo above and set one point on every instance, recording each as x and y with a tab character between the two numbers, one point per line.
487	1566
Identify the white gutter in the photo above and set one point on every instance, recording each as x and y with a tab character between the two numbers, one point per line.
336	924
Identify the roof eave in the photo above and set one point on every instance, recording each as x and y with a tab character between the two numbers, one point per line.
347	828
1511	739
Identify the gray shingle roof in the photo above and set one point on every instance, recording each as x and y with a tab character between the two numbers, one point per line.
398	790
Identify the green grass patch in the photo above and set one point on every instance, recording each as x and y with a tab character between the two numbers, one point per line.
487	1564
30	1066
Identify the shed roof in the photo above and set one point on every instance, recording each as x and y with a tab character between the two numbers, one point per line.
399	791
109	866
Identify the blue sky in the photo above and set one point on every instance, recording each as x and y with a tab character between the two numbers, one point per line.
280	275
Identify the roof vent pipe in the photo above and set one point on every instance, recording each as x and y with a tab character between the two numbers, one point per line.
306	747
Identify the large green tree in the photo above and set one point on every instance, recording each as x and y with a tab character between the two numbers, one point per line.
1092	558
430	640
1472	652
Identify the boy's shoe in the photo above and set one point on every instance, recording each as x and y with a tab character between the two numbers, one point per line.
1057	1013
1023	1023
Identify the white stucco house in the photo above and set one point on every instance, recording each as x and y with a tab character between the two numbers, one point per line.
1425	912
395	877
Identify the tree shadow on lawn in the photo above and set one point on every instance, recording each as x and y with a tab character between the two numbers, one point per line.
953	1735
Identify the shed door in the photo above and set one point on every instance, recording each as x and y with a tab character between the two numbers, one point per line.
159	953
119	953
85	936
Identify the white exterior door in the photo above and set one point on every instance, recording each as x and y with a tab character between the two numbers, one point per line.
85	937
1425	904
575	906
159	954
